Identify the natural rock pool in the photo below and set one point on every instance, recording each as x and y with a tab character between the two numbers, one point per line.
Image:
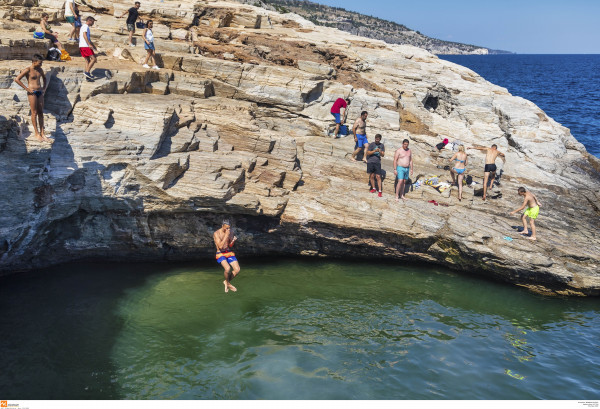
296	329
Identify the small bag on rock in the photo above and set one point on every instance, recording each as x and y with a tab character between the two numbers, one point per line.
64	56
53	54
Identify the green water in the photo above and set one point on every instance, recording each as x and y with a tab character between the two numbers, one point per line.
296	329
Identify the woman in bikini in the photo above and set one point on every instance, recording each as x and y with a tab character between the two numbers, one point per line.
48	33
460	161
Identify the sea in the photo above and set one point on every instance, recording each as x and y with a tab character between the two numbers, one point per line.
566	87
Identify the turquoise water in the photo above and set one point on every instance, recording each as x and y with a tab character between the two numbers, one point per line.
299	329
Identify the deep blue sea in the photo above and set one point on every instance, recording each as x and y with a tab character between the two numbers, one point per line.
566	87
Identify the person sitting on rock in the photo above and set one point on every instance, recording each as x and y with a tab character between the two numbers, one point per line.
374	153
338	105
532	211
149	45
458	170
35	93
403	163
489	170
132	18
87	47
48	33
224	240
360	136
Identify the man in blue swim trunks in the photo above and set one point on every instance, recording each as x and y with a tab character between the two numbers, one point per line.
35	93
360	136
224	240
403	164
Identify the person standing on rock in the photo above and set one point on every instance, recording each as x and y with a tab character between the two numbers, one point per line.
532	211
132	18
403	163
338	105
374	153
149	45
460	160
86	47
224	240
35	93
489	171
71	15
360	136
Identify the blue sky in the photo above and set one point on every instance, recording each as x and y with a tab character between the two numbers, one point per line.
525	27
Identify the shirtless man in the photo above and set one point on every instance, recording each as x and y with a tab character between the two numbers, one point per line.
490	165
532	211
224	240
360	136
35	94
402	164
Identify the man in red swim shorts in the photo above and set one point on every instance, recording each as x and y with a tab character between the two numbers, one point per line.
224	240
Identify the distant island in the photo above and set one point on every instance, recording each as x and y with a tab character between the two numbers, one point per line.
369	26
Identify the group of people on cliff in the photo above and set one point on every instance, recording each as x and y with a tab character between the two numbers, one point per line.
403	164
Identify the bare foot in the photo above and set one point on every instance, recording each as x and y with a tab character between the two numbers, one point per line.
226	288
397	199
524	233
352	159
531	238
232	288
38	137
364	160
403	198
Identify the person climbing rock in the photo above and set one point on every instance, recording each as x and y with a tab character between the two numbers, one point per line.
403	164
360	136
338	105
374	153
87	47
132	18
532	205
224	240
489	171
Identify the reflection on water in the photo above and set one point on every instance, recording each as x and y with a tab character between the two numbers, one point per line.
295	330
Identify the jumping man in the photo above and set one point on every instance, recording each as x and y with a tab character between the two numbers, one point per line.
490	165
402	164
35	94
532	211
224	240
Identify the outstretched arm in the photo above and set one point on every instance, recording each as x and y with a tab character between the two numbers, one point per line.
520	208
477	148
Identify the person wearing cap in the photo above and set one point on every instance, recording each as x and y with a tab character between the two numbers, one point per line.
224	240
87	47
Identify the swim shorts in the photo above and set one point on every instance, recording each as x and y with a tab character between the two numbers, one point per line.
374	167
459	171
402	172
227	255
86	52
37	93
70	19
361	140
490	167
532	212
338	118
131	27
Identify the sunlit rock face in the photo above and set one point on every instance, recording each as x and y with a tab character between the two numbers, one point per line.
146	163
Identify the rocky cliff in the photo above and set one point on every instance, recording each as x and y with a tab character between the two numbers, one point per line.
145	163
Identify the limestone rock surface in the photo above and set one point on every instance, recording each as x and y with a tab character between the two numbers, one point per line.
145	163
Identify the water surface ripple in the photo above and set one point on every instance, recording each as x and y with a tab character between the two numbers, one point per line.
299	329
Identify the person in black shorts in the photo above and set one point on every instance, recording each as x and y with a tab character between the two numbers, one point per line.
134	16
489	171
375	152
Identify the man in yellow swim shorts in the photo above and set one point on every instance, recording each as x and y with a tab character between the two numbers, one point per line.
532	205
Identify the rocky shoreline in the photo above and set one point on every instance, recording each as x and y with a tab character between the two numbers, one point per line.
145	163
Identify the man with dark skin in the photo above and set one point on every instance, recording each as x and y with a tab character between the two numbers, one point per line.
490	165
403	164
224	240
35	93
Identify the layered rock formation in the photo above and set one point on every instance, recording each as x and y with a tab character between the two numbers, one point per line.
146	163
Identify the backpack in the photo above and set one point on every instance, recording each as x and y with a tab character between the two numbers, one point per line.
53	54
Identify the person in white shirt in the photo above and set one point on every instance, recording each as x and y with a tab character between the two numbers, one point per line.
149	45
86	47
71	16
